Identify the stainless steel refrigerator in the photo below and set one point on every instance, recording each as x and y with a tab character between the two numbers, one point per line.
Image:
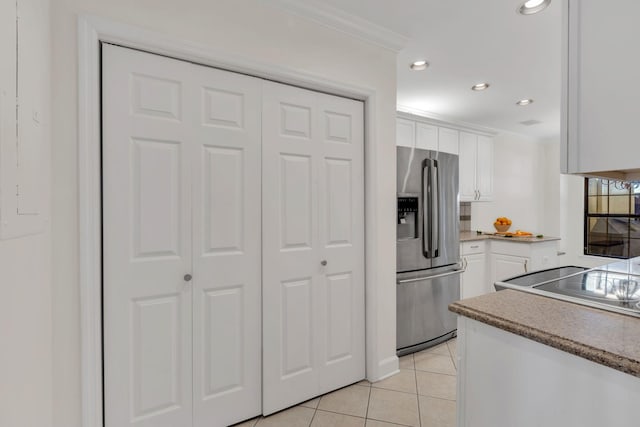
428	248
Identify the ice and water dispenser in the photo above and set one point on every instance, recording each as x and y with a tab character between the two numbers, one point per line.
407	225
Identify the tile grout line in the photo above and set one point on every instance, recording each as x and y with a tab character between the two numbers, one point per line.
366	414
315	411
415	377
389	422
341	413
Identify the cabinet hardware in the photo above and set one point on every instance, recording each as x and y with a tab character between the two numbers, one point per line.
435	276
323	262
420	279
526	261
187	277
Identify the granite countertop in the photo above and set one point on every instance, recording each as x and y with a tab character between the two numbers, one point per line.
468	236
607	338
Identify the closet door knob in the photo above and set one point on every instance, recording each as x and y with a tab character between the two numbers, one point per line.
187	277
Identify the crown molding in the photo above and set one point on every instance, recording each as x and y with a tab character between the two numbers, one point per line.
340	20
444	121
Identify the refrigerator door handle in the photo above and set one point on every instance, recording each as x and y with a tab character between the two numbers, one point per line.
435	209
435	276
426	208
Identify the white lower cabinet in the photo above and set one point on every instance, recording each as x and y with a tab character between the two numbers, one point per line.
474	280
233	248
506	266
492	260
509	259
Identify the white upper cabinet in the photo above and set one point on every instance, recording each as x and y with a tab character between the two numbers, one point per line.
476	168
405	133
448	140
467	159
426	136
600	88
475	152
484	168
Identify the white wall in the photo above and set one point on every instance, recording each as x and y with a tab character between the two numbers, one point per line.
563	213
25	332
25	262
252	30
529	189
551	214
518	186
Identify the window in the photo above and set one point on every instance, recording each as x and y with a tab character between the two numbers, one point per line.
612	218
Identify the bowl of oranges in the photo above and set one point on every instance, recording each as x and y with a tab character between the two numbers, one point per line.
502	224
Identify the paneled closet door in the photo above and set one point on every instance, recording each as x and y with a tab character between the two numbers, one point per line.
181	172
313	244
227	378
146	239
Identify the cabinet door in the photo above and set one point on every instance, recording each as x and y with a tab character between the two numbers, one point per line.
426	137
474	280
405	133
507	266
484	168
448	140
467	159
544	255
601	108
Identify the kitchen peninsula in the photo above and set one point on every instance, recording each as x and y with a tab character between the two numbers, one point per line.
528	360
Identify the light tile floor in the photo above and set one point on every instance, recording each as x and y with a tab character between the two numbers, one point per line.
422	394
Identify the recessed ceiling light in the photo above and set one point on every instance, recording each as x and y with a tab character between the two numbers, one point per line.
524	102
419	65
480	86
533	6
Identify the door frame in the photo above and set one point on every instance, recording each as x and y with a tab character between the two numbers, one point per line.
92	31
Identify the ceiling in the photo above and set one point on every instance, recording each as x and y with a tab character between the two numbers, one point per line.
473	41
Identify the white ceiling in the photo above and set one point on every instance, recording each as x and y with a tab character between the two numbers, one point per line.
473	41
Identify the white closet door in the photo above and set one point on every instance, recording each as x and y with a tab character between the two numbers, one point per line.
147	240
226	248
313	244
181	196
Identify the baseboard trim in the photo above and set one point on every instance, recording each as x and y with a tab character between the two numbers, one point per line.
387	368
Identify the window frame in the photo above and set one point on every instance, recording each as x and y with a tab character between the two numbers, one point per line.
587	216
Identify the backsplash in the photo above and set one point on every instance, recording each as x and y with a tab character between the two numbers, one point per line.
465	216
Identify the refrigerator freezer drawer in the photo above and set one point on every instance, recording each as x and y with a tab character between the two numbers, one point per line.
422	306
